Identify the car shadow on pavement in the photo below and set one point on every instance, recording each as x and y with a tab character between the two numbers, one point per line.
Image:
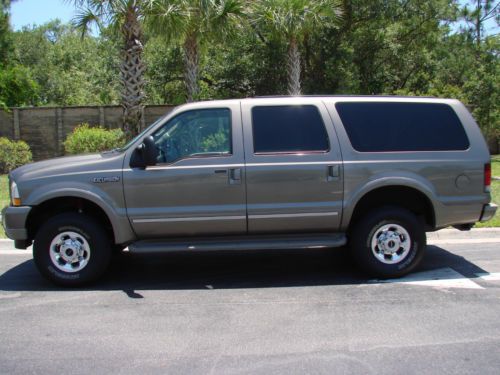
227	270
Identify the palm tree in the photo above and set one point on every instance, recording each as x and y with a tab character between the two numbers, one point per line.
127	17
293	20
193	22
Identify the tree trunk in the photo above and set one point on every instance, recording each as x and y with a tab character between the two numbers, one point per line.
478	24
191	61
132	71
294	68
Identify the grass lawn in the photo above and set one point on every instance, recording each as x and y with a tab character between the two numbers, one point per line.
495	195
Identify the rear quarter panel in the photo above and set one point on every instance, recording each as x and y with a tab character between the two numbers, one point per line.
452	180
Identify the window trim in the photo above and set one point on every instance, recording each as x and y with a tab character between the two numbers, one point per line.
191	157
300	152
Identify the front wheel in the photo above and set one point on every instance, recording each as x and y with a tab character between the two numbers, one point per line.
388	242
71	249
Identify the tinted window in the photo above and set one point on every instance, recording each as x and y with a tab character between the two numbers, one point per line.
288	129
373	127
197	133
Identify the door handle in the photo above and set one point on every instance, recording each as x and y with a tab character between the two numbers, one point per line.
234	176
333	173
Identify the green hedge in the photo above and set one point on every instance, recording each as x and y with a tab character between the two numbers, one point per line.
13	154
87	139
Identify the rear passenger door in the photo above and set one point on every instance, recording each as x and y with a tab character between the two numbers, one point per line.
294	170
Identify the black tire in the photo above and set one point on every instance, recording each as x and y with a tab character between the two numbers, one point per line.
388	221
84	229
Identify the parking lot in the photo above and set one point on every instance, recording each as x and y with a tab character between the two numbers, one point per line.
292	312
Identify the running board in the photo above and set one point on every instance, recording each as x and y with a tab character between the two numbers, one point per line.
306	241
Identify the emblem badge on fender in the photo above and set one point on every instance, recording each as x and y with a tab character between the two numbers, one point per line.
100	180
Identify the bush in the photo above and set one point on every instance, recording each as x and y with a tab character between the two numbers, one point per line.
87	139
13	154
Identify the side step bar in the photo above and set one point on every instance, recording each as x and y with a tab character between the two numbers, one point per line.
307	241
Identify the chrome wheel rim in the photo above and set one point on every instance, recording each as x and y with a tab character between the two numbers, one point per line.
391	243
69	252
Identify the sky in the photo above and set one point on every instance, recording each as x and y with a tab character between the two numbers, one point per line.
29	12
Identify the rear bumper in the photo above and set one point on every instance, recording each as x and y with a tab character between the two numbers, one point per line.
14	222
489	211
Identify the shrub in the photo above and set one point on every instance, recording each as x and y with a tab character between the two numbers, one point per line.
13	154
87	139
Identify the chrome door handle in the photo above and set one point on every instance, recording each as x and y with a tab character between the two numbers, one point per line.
234	176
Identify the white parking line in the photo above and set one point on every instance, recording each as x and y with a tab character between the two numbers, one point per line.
489	276
440	278
463	241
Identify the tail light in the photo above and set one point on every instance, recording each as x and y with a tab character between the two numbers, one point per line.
487	178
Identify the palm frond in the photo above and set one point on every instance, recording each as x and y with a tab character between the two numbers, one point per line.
294	18
84	19
168	18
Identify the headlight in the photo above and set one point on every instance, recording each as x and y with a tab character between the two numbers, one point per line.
14	194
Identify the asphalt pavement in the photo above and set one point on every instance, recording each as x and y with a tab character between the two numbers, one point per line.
280	312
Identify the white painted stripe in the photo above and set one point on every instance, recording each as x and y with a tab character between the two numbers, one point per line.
440	278
184	219
489	276
280	216
463	241
15	252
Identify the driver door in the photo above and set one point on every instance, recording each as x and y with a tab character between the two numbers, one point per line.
197	186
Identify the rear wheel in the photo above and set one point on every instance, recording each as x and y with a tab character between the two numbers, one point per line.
388	242
71	249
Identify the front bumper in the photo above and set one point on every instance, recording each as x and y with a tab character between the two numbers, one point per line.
489	211
14	222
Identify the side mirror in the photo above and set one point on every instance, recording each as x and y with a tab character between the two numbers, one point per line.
149	151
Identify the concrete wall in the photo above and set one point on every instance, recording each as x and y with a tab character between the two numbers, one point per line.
46	128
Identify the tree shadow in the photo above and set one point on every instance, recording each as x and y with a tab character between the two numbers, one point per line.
228	270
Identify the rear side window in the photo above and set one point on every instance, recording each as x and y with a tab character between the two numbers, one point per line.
288	129
386	127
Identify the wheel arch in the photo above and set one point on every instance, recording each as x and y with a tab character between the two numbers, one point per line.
79	201
415	199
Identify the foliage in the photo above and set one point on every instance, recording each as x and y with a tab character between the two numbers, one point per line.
193	23
87	139
215	142
292	20
68	70
17	88
4	198
13	154
5	35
